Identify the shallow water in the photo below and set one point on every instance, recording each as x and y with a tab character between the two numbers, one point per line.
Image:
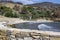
45	26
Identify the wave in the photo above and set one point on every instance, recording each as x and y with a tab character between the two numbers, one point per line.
44	26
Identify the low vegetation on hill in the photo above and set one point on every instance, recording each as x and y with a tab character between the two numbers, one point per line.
29	12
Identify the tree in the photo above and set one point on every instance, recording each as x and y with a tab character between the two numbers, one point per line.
9	14
6	11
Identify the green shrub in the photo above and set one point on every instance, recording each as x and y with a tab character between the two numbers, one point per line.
9	14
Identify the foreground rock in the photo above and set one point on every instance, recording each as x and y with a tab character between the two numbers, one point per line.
25	34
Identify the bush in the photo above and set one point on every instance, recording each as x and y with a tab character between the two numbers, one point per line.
9	14
15	15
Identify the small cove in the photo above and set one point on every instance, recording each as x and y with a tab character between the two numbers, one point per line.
44	26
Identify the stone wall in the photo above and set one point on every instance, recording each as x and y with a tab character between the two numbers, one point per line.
15	35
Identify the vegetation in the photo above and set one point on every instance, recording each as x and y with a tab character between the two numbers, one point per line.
7	12
34	13
28	11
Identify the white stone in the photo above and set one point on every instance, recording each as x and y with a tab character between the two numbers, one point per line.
28	38
37	37
13	38
20	39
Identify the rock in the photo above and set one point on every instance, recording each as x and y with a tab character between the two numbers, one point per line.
13	38
11	25
19	39
46	38
15	31
17	35
28	38
36	37
25	34
35	34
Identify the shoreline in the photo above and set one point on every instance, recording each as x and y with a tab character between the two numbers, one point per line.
17	20
51	33
12	21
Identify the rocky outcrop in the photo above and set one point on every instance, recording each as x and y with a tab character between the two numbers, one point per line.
25	34
13	35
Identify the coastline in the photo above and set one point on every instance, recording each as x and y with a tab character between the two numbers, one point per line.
12	21
27	33
17	20
51	33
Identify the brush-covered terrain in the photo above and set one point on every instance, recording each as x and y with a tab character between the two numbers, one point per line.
33	11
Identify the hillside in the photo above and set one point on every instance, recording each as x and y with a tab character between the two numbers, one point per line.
54	8
10	4
43	4
10	9
33	11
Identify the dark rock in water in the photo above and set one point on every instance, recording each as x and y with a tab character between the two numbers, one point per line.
13	26
56	20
